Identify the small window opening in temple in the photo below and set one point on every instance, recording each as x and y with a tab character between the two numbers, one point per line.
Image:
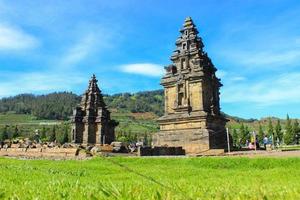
183	64
180	95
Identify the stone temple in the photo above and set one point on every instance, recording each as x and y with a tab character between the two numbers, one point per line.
192	118
91	119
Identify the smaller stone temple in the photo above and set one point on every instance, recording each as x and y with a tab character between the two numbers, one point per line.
192	118
91	119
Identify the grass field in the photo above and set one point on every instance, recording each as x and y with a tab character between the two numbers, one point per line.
131	123
13	119
151	178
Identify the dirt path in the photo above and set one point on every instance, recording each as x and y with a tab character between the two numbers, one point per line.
255	154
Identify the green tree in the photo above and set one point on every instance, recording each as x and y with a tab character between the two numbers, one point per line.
16	132
65	137
43	133
53	134
150	139
296	131
235	138
4	135
278	131
271	130
289	135
146	140
244	134
261	134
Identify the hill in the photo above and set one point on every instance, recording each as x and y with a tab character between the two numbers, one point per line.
136	113
59	106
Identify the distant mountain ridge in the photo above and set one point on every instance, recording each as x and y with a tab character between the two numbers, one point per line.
59	105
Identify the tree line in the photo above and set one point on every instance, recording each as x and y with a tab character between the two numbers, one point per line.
55	133
59	106
289	134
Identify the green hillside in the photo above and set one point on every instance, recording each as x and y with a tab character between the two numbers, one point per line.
136	114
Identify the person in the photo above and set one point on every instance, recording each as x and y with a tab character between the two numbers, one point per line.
251	145
36	137
257	143
265	141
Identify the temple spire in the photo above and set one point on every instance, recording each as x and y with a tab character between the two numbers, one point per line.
91	120
189	24
92	98
188	43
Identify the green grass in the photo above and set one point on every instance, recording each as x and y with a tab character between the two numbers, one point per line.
290	148
13	119
26	124
130	124
151	178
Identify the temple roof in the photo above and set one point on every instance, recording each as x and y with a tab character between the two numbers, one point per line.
92	98
188	43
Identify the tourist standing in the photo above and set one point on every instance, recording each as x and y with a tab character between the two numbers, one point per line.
265	141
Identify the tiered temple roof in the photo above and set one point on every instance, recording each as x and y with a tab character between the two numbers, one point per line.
91	119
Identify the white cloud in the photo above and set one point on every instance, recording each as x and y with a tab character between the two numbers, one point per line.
78	51
282	89
37	82
267	58
96	40
13	38
145	69
238	78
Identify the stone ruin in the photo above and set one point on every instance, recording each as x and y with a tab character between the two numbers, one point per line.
91	119
192	118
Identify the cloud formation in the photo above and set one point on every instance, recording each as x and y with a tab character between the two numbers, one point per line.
38	82
276	90
145	69
267	59
78	51
13	38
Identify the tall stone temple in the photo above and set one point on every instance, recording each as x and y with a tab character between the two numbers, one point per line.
192	116
91	119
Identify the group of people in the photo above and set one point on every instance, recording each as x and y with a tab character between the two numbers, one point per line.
253	145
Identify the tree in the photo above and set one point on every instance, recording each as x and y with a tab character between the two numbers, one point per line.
289	135
261	133
235	138
244	134
146	140
296	131
271	130
278	131
53	134
4	134
150	139
16	132
43	133
65	137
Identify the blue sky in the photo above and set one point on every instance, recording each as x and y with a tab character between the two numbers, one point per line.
48	46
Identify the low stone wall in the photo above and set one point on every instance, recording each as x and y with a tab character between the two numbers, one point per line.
55	153
161	151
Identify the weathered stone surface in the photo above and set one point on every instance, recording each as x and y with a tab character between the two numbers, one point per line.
161	151
94	150
192	118
119	147
91	119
